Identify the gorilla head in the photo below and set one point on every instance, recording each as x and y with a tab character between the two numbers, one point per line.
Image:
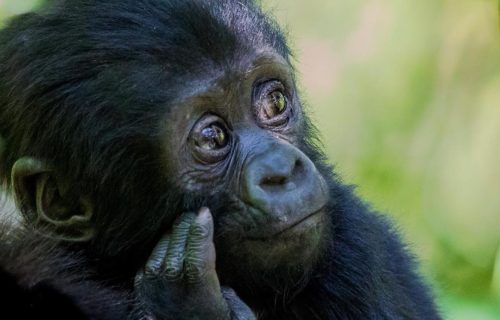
148	137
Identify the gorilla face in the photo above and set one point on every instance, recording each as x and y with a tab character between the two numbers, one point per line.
237	135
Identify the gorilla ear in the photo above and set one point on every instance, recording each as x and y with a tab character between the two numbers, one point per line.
45	205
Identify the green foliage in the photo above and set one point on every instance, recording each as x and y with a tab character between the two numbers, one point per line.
407	97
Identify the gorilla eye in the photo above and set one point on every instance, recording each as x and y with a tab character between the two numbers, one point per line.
209	139
271	104
212	137
274	104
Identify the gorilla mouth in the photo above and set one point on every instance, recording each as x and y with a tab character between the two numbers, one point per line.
296	228
305	223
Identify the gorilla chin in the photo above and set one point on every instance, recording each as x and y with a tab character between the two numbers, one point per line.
298	243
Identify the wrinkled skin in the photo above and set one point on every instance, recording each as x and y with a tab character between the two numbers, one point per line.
181	273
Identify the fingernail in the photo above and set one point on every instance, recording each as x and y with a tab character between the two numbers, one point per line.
204	211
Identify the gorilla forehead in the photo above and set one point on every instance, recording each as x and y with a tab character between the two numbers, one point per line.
179	33
139	56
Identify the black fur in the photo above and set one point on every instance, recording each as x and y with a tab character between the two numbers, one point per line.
86	84
42	280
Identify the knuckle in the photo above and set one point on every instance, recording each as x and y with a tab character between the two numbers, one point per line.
200	231
150	272
184	220
139	278
195	271
173	274
184	224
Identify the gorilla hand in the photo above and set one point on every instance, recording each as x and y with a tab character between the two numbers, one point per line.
179	280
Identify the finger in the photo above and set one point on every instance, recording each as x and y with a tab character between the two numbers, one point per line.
157	257
200	250
239	310
177	246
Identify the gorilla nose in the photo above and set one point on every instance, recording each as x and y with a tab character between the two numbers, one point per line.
277	174
283	182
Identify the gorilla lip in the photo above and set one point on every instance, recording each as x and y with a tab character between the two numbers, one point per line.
314	218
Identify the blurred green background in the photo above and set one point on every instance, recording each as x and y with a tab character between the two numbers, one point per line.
407	98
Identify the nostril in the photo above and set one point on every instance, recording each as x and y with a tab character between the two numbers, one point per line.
283	178
298	164
298	170
273	181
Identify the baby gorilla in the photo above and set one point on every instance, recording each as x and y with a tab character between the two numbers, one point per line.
164	167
